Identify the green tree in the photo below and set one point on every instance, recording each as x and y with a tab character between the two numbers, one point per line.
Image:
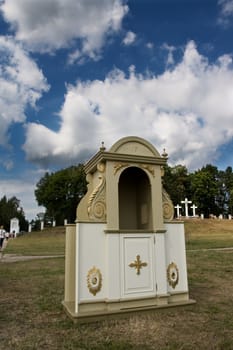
10	208
208	188
205	190
226	190
176	182
60	193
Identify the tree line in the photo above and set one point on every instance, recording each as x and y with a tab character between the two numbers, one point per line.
9	209
209	188
60	192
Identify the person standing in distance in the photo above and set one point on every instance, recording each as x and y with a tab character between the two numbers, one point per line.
2	236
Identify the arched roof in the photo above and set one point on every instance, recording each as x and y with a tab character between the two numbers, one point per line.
134	145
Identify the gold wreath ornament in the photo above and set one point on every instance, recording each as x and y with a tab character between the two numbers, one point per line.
94	280
172	274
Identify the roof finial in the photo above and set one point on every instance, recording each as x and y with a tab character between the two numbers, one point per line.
164	154
102	148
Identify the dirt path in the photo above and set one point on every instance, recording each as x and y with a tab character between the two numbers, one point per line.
10	258
208	249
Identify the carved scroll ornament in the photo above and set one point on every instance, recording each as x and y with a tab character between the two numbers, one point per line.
168	209
96	206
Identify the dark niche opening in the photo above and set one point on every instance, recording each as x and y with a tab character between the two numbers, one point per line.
134	200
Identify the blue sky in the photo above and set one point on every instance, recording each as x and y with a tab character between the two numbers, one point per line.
74	73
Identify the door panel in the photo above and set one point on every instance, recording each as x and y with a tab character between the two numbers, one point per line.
137	264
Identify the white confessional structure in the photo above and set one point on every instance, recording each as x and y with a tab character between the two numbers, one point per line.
125	253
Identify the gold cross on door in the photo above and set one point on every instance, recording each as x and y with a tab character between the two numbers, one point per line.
138	264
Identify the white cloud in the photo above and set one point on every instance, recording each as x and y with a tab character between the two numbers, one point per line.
8	164
226	12
187	110
170	49
227	7
24	191
48	25
129	38
18	88
150	45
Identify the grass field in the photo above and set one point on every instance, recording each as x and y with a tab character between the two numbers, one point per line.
31	315
46	242
201	234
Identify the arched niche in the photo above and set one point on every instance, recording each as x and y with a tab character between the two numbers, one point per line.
134	200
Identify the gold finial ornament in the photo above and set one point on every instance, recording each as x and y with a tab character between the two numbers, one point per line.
138	264
164	154
102	148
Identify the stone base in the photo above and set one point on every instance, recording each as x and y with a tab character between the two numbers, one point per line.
99	311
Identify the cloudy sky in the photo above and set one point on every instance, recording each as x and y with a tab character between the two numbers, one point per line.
74	73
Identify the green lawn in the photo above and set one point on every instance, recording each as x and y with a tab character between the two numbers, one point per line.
201	234
32	317
46	242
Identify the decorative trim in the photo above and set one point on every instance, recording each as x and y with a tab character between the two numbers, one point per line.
124	231
149	168
101	167
172	275
118	166
168	209
96	206
138	264
162	170
91	165
94	280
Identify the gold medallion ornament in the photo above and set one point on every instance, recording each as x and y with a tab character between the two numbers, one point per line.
94	280
172	274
